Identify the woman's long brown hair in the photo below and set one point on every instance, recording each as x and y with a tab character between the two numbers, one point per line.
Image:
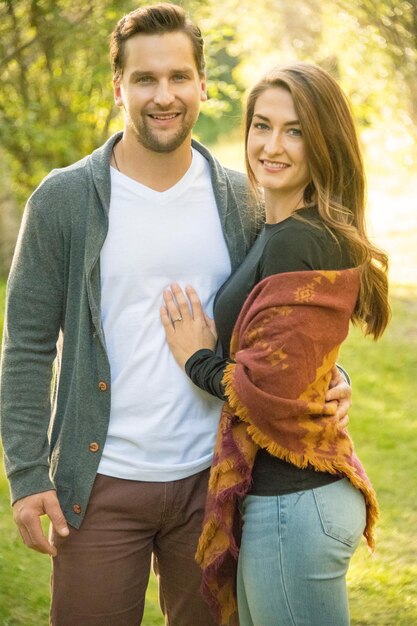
337	186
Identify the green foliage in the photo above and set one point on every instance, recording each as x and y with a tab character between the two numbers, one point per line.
56	102
223	109
392	25
384	33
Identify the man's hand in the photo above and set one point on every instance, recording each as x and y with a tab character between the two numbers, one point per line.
339	397
27	512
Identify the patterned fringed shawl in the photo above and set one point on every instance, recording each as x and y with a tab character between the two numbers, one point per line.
284	345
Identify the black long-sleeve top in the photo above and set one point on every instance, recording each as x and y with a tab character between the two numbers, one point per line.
291	245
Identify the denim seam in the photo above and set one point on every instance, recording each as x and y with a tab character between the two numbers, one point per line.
279	524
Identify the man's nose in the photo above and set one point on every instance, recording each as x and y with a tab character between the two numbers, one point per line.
163	95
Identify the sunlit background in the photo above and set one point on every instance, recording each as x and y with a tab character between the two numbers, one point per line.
56	105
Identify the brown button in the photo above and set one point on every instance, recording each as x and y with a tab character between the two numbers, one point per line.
94	447
102	385
76	508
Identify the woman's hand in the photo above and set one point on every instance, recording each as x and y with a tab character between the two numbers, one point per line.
339	398
187	327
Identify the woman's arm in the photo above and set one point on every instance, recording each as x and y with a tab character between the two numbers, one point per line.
206	370
191	336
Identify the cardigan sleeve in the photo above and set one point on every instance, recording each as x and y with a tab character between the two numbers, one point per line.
34	304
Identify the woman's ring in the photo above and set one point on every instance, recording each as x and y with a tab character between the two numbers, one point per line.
179	319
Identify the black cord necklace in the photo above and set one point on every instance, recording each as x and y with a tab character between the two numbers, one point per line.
114	158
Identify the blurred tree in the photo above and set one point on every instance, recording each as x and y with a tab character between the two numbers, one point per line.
56	101
222	111
276	32
392	26
9	219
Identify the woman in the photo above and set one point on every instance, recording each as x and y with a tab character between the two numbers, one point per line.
281	467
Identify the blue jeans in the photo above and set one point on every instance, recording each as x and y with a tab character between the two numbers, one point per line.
294	556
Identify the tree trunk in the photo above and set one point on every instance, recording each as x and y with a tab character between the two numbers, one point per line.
9	219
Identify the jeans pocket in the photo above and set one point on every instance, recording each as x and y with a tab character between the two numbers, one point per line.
342	511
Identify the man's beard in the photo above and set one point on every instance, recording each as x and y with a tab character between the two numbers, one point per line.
156	142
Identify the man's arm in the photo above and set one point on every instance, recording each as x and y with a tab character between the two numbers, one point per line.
34	306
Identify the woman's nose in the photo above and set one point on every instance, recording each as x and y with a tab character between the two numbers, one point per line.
275	144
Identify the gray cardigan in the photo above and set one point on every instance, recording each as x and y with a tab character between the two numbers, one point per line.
53	328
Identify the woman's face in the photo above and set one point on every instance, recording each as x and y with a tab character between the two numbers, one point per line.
276	151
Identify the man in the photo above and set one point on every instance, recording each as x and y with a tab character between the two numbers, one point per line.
128	434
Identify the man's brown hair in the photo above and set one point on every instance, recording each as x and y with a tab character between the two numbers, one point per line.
157	19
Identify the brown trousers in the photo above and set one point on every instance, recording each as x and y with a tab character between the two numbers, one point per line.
101	572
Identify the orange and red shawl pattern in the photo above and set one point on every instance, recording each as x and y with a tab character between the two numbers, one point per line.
284	345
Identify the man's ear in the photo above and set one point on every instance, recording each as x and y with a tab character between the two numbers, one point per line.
117	91
203	88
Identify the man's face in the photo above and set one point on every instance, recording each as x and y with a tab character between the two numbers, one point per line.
160	90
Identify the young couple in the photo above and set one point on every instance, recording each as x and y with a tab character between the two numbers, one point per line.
120	462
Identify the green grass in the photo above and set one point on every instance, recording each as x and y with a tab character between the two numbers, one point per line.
383	424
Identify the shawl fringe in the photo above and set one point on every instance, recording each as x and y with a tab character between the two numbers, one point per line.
304	460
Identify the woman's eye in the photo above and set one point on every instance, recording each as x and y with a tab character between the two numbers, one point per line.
261	126
295	132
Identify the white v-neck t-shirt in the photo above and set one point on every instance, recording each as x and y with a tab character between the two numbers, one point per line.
162	427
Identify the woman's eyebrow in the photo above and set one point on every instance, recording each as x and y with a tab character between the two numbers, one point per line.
266	119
